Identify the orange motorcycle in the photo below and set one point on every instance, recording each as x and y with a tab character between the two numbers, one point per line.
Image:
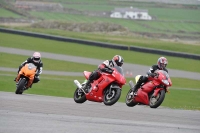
25	78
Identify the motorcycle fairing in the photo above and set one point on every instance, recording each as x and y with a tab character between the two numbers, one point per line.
98	86
86	74
142	93
148	87
119	77
142	97
23	76
28	70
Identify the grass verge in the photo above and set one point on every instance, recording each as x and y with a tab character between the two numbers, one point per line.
45	45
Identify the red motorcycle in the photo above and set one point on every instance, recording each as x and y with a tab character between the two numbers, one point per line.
152	92
107	88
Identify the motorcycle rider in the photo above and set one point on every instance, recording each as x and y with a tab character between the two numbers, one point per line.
104	67
36	60
161	65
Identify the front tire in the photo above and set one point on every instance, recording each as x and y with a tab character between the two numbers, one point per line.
113	97
79	96
20	86
130	99
155	102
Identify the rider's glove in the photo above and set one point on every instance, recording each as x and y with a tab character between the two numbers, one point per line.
107	70
110	71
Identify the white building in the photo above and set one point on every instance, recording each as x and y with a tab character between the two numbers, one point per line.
131	13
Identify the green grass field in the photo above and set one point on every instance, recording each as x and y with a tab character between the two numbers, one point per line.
161	11
170	18
136	26
7	14
44	45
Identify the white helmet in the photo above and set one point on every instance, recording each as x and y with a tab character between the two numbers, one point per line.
162	62
36	57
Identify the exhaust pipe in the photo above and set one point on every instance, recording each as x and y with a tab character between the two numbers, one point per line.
79	85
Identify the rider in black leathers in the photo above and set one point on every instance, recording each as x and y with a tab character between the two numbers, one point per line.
161	65
36	60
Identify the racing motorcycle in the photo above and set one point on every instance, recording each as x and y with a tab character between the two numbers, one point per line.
28	71
151	93
106	89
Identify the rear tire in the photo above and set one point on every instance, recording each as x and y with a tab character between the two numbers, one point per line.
79	96
155	102
20	86
130	99
110	99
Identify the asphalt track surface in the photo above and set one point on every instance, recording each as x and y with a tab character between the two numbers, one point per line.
130	68
28	113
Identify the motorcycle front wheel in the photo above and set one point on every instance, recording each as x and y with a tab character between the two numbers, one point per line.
129	99
79	96
111	97
20	86
155	102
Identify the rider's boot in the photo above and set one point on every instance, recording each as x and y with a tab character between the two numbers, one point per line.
138	84
85	87
135	89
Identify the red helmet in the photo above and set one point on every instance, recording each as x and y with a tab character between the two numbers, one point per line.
162	62
118	60
36	57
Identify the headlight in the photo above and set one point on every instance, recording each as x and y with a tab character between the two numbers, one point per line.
165	82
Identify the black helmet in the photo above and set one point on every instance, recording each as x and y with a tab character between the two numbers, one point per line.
118	60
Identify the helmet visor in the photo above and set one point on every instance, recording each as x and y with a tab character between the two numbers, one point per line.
120	63
162	65
36	59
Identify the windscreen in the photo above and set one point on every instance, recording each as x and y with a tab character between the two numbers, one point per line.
119	69
31	66
164	73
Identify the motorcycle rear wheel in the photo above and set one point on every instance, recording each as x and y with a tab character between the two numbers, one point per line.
110	99
79	96
129	99
20	86
155	102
